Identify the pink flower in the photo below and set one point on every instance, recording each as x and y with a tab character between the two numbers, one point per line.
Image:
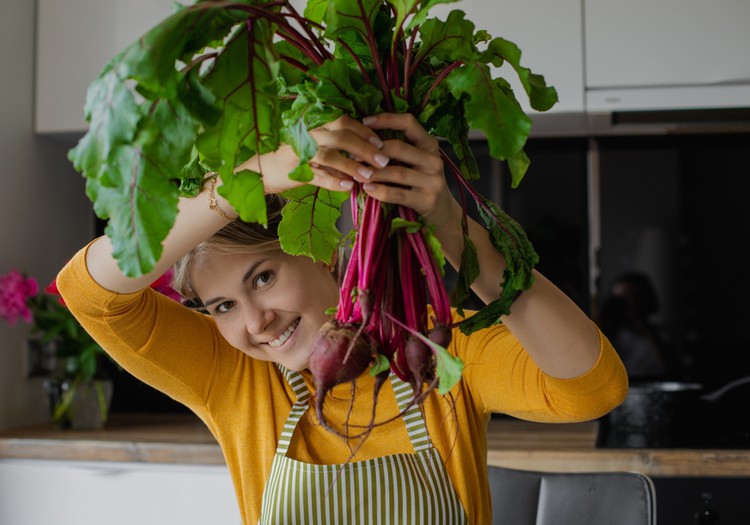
52	290
15	290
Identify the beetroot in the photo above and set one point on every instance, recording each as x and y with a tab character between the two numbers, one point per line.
420	362
390	278
440	334
340	354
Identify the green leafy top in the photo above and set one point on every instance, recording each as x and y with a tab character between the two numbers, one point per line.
220	81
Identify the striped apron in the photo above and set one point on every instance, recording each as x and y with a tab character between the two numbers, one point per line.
398	489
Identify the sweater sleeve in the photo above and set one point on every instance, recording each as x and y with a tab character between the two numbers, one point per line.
502	378
153	337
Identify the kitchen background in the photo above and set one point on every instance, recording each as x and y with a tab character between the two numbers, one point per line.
642	166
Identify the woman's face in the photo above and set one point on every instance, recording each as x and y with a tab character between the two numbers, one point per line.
268	305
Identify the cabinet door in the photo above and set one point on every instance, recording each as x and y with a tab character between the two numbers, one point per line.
549	34
75	39
33	492
653	54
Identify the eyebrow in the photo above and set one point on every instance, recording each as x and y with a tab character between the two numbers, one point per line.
245	277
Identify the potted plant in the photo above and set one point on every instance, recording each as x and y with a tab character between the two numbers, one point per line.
77	387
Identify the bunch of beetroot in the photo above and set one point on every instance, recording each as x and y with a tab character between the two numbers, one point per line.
391	278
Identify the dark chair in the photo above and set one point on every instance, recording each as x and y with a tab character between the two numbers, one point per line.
521	497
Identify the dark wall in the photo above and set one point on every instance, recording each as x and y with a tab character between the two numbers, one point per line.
675	208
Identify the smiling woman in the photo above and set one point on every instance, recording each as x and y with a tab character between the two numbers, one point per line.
243	363
253	290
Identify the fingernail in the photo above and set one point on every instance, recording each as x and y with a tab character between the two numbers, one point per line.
346	184
369	186
375	141
365	172
381	160
369	120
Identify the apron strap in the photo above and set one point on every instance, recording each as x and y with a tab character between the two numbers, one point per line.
413	418
298	385
296	382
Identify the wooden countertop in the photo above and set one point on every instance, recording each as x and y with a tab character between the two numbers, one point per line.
571	448
511	443
135	438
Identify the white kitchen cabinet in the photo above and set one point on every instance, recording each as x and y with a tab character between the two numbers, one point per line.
75	39
666	54
549	34
34	492
601	55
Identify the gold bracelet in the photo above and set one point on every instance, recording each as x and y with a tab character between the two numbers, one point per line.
212	202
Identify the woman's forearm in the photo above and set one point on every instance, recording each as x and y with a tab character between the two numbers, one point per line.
558	335
195	222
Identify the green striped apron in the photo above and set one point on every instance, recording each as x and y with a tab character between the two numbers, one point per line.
398	489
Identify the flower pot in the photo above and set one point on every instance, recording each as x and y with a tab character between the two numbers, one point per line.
79	405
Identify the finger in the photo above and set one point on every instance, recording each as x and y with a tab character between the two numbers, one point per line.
345	122
406	187
406	177
421	202
338	148
333	158
406	122
413	156
330	179
352	137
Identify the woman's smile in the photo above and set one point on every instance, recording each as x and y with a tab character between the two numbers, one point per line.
277	343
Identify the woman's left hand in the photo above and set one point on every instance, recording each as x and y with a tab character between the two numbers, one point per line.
560	338
415	175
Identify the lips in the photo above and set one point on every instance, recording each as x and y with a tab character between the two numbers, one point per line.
284	336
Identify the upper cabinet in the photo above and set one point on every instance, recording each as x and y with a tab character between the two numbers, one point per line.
600	55
550	37
666	54
75	40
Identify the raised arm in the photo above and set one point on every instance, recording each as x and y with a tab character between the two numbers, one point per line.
339	142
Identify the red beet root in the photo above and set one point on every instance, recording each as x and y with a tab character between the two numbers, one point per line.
328	364
421	363
440	335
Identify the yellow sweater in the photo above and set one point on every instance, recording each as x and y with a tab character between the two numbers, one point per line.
244	402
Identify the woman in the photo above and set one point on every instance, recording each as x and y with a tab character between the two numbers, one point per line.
242	368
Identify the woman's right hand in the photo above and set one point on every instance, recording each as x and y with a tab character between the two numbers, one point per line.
345	149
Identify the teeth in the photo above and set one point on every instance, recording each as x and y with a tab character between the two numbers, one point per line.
283	337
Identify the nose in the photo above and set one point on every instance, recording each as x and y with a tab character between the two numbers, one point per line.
257	318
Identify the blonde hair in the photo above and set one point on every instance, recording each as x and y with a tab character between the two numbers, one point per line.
237	237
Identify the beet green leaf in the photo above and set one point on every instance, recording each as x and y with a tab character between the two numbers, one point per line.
520	259
308	222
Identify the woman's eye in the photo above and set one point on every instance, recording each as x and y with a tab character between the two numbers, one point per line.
263	279
224	307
